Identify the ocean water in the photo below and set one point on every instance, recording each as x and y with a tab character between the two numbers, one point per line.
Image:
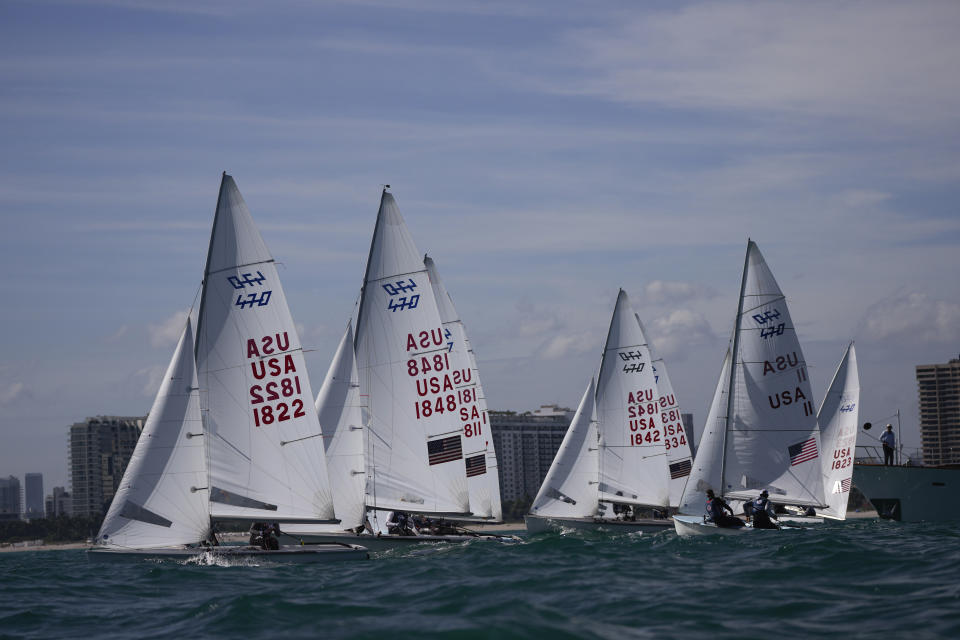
857	579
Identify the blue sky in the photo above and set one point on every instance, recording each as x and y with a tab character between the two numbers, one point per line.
545	154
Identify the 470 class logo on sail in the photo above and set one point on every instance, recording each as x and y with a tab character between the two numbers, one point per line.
247	301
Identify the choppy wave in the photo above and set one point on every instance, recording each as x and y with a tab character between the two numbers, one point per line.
858	579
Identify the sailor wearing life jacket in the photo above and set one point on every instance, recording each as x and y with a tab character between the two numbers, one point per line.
763	512
717	512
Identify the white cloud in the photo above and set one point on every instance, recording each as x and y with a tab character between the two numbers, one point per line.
863	197
676	334
889	60
667	291
564	345
167	332
11	393
152	377
116	335
912	317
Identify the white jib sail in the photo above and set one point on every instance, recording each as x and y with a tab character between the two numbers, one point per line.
570	488
264	445
708	463
162	501
679	458
414	438
838	417
338	407
633	462
477	444
773	441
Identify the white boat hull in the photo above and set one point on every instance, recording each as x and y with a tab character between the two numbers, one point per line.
800	520
286	553
545	524
689	526
384	542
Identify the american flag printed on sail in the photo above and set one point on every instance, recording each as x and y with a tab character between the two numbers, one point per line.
802	451
476	465
680	469
841	486
444	450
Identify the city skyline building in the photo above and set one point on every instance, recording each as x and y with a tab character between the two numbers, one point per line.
938	387
58	503
526	445
33	496
100	448
10	498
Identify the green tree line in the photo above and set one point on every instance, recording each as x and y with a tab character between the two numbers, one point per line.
58	529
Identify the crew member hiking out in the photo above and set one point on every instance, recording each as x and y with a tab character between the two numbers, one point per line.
720	513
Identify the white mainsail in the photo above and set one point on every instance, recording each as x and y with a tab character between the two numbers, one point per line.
679	457
415	444
265	454
482	482
340	413
570	488
708	463
633	467
772	439
838	417
161	501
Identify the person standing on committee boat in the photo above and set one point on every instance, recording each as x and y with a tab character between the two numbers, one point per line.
889	444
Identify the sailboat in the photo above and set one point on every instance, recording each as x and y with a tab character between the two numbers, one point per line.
838	418
679	456
480	456
761	431
229	437
422	421
613	457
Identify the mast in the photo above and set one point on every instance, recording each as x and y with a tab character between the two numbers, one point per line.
733	367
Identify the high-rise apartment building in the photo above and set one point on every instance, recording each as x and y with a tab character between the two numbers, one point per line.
33	496
10	498
59	503
939	388
526	445
100	449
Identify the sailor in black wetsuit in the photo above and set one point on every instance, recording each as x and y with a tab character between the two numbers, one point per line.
763	512
720	513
